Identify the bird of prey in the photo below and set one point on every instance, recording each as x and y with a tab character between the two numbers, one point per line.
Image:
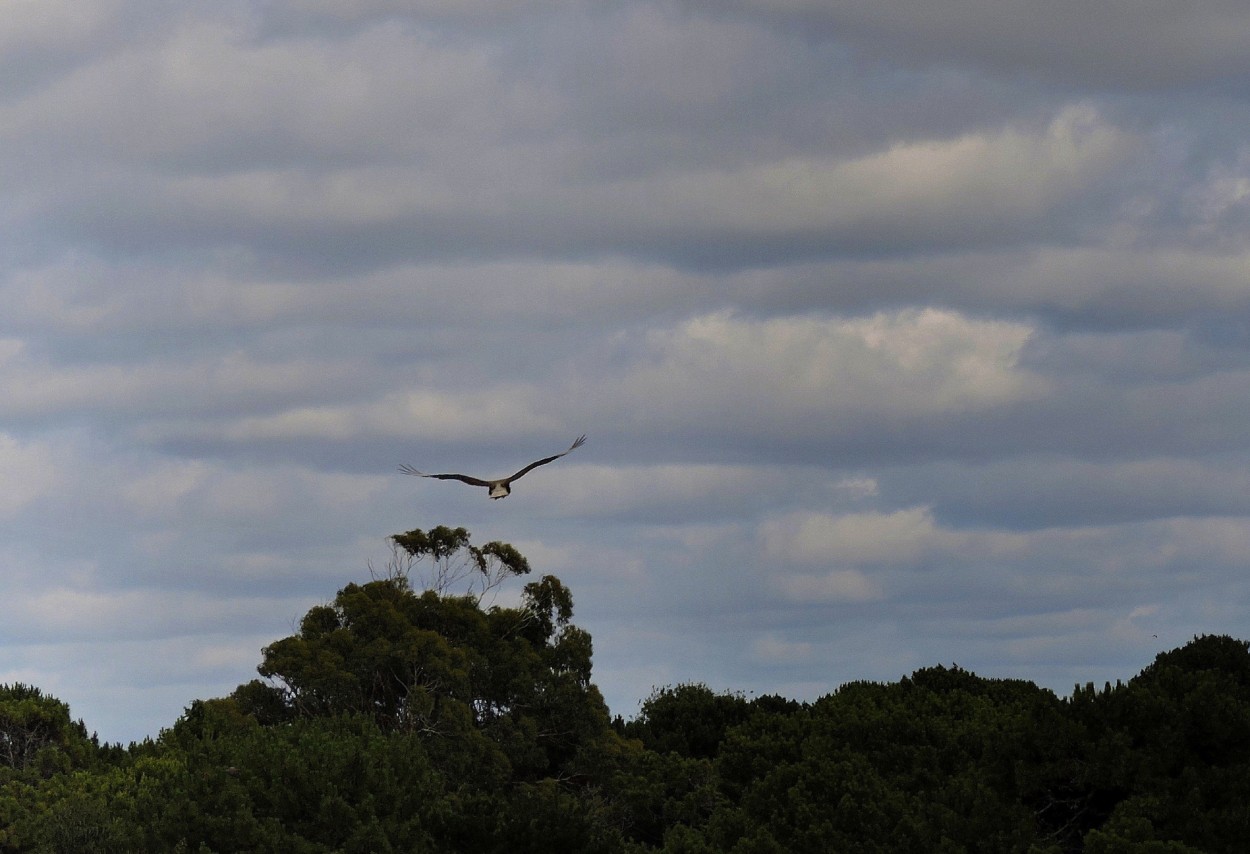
498	488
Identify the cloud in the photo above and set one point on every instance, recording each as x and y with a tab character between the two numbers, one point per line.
982	180
1050	491
901	335
1157	279
905	536
940	573
839	585
41	41
965	191
770	649
425	413
723	369
230	97
482	12
1137	45
28	470
266	160
841	373
36	388
63	614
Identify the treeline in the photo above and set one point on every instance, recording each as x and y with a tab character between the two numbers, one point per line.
398	720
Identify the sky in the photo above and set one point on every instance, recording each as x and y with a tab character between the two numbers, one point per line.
903	333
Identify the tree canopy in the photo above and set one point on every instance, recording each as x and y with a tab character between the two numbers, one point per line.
402	719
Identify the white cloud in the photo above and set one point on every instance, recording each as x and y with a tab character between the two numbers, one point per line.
808	538
806	373
770	649
839	585
287	114
418	414
28	470
163	489
36	387
433	302
455	10
953	190
659	492
225	94
1136	284
39	39
58	614
811	374
860	486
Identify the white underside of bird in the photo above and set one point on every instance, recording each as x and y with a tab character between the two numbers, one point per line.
501	488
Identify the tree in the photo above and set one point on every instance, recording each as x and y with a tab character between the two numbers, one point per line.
441	666
36	732
690	720
1171	750
398	720
393	720
446	561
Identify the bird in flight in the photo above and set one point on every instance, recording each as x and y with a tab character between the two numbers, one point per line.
498	488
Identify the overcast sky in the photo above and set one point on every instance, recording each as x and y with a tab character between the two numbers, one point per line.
904	333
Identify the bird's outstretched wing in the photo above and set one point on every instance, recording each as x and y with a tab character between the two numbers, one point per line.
472	481
573	447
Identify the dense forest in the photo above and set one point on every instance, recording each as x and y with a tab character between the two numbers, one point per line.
408	716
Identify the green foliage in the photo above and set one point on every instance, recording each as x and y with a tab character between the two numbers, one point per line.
398	721
689	720
1173	749
224	783
919	765
37	735
446	560
442	667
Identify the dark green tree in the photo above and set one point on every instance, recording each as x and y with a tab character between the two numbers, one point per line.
397	720
441	666
690	720
1170	754
394	720
943	760
37	733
